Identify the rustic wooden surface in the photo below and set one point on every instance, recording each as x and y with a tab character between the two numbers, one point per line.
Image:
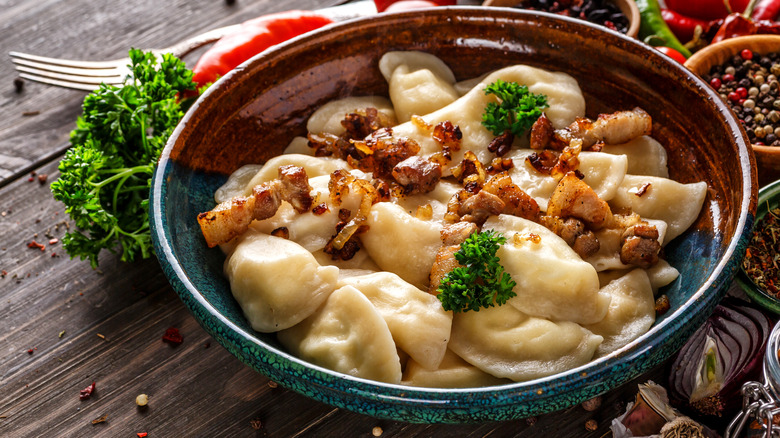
64	325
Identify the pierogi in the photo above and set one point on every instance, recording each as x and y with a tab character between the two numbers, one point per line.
349	279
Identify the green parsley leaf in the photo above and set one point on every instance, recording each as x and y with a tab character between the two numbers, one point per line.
480	281
106	174
516	111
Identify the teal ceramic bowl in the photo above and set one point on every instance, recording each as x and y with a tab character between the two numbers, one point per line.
252	113
768	199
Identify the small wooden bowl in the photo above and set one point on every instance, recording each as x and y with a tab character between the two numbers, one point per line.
767	157
628	7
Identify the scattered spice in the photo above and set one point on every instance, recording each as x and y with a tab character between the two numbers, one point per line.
762	256
142	434
206	345
531	421
30	113
142	400
100	420
18	84
592	404
256	424
42	178
37	245
602	12
591	425
53	241
62	333
87	392
98	334
30	351
3	273
377	431
172	336
272	384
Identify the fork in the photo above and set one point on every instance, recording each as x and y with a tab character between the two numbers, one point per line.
88	75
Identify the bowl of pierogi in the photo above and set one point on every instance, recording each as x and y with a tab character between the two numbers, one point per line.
457	215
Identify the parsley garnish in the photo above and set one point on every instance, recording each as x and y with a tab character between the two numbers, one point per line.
481	280
106	174
517	111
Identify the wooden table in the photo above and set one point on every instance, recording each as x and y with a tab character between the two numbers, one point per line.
64	325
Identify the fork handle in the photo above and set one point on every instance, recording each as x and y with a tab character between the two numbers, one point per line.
183	48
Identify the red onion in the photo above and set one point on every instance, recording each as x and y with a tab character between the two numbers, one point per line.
722	354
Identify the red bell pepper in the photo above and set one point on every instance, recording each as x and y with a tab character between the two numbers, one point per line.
251	38
682	26
382	5
706	9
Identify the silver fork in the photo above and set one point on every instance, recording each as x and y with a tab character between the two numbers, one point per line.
88	75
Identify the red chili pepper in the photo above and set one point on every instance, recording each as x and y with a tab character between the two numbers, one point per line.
681	25
733	26
87	392
766	10
172	336
381	5
706	9
251	38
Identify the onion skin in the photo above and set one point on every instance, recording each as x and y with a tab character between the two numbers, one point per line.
740	333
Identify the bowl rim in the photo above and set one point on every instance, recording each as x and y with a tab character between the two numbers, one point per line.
768	197
413	397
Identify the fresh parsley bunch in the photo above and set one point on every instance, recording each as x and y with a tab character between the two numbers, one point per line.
481	280
106	174
517	111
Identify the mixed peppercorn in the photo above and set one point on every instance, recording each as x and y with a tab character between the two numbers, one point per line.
603	12
749	84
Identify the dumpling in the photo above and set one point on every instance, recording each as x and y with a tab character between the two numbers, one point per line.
417	321
506	342
237	183
552	280
603	173
437	199
564	98
398	242
659	198
631	312
314	166
260	270
662	274
453	372
346	335
328	117
646	156
419	83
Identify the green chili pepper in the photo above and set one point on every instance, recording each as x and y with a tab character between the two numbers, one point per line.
653	29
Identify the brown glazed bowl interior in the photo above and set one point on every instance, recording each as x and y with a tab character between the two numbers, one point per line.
767	157
251	114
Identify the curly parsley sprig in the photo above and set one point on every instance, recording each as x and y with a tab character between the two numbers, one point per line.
517	111
480	281
106	174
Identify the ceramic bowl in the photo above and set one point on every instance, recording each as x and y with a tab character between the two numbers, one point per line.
767	157
628	7
768	199
253	112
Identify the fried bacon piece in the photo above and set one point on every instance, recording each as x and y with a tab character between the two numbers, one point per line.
575	198
232	217
358	126
470	169
616	128
574	233
640	246
541	133
451	237
516	201
417	174
380	152
478	208
448	136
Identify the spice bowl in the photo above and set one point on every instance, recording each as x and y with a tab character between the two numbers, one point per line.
701	62
627	7
251	114
768	199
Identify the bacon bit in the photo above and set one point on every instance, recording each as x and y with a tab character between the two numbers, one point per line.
320	209
542	161
37	245
100	420
639	191
142	434
172	336
87	392
282	232
662	305
54	241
